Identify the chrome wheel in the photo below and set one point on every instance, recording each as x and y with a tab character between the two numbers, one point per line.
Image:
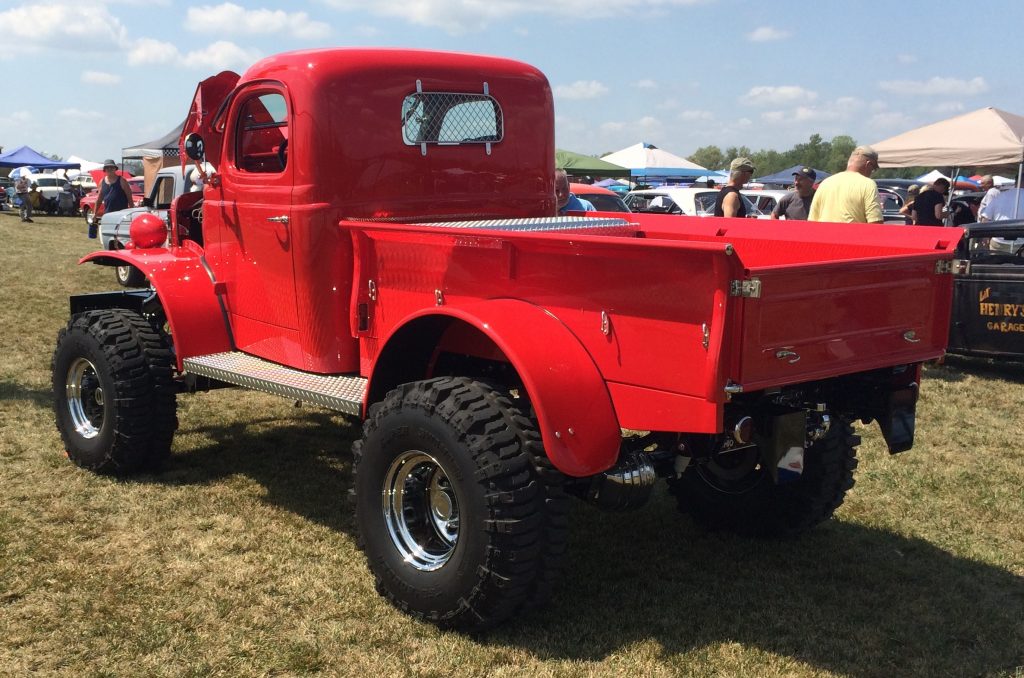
421	510
123	273
84	397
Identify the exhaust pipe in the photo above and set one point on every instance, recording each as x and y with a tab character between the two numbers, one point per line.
625	486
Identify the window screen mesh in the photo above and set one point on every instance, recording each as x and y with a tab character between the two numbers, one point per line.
450	118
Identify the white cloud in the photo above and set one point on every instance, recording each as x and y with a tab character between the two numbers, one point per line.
472	15
890	121
76	114
777	96
767	34
228	18
936	86
99	78
581	89
68	26
694	115
944	108
906	58
613	126
646	83
149	51
220	55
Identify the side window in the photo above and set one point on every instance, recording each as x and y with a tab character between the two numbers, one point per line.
261	134
164	192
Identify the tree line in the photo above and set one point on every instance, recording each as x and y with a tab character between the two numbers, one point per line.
830	156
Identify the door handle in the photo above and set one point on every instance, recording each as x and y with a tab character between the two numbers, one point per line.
283	219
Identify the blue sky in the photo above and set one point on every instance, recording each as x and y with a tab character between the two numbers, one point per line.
88	77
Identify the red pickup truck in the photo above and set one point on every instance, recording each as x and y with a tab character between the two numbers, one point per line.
380	237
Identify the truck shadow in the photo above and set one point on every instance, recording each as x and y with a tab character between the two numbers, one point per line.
955	367
14	390
846	598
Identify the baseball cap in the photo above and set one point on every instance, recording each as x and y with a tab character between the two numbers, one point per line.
109	163
741	164
806	172
867	152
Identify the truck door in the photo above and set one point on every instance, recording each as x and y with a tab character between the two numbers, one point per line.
256	230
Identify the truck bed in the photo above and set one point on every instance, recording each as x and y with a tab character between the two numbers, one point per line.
831	299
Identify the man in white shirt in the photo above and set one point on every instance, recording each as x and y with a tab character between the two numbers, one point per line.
989	186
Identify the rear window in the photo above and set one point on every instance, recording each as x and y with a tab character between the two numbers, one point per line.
603	202
654	203
451	119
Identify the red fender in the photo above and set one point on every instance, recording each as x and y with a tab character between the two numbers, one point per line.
574	409
187	294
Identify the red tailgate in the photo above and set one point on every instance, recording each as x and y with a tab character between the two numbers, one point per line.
818	320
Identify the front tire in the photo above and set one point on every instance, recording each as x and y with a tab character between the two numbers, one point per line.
129	276
113	392
738	494
462	520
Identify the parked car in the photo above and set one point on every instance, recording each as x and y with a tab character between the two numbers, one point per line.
84	180
88	203
114	226
891	201
49	187
988	292
765	200
602	199
694	202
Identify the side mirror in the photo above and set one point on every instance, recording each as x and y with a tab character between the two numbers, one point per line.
147	202
194	147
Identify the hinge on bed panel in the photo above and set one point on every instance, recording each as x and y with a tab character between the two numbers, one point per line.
745	288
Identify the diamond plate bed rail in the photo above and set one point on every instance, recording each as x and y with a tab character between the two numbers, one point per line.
344	394
542	224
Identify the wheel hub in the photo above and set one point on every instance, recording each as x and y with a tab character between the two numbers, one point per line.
421	510
84	397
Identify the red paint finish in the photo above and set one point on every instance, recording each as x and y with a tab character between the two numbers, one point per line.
186	293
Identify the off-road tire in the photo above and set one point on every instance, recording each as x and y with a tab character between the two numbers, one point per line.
510	503
129	276
119	413
764	508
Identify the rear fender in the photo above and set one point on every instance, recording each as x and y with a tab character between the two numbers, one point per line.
574	410
187	294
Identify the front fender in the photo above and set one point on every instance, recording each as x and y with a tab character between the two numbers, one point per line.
187	294
574	410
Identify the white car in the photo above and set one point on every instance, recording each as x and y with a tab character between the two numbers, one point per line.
765	200
694	202
84	180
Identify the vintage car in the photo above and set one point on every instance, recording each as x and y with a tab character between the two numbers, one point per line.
602	199
988	293
765	199
694	202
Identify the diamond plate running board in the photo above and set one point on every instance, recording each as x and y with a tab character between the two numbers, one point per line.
344	394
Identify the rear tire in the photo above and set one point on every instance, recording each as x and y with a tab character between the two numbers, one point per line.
462	520
113	392
717	496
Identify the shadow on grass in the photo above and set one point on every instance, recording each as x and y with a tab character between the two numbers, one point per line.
845	598
954	366
13	390
303	462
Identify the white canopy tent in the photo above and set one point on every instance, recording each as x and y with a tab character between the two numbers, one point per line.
987	136
647	160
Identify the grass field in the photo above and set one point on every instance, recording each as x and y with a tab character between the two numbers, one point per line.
240	558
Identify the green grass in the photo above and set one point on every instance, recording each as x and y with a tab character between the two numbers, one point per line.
240	557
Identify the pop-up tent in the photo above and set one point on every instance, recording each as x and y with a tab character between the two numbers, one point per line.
26	156
647	160
987	136
578	164
162	152
786	176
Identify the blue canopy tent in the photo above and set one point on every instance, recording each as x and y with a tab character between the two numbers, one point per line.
26	156
785	177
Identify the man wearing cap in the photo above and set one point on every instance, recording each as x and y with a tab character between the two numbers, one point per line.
797	203
988	184
730	203
115	193
850	196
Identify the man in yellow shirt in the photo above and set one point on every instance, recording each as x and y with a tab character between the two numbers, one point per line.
850	196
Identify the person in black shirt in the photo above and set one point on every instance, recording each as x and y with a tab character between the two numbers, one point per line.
730	202
927	209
